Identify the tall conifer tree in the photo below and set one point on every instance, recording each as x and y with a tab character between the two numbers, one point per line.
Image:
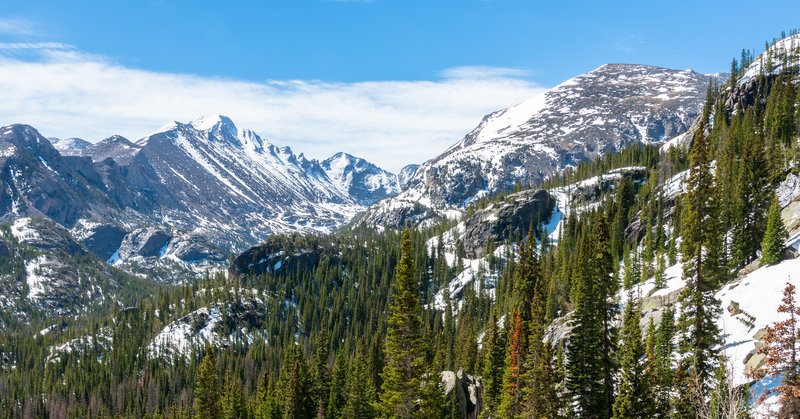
401	392
774	237
699	334
635	397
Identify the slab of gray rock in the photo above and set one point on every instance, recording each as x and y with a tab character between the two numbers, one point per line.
194	248
144	242
103	239
506	218
468	389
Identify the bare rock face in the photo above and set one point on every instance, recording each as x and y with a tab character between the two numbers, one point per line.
402	213
512	216
145	242
102	238
467	389
193	248
281	253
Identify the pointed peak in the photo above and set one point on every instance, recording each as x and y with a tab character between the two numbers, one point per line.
166	127
214	123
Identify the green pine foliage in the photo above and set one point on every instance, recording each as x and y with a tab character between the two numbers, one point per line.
405	345
699	335
775	235
207	403
635	398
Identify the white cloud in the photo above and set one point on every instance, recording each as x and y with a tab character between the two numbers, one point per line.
483	72
34	46
17	26
65	93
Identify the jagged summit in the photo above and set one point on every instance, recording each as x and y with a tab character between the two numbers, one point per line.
361	179
205	176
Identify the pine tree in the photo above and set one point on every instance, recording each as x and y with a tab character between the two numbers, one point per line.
526	277
660	276
584	369
361	393
511	400
233	402
207	397
699	335
494	365
663	357
293	407
774	237
405	346
541	397
321	373
338	388
635	396
783	354
602	272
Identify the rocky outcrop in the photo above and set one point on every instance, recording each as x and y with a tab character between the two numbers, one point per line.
4	250
194	248
103	239
405	174
468	391
279	253
509	217
401	213
144	242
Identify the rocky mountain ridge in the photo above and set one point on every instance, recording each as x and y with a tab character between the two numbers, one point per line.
206	177
607	109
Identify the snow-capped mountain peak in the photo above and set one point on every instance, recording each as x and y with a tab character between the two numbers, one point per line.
606	109
359	178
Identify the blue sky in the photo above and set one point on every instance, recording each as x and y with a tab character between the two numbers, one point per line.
393	55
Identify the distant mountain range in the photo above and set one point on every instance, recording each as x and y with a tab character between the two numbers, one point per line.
206	177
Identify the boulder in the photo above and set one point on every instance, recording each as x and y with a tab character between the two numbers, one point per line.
734	308
103	239
760	334
467	389
194	248
754	363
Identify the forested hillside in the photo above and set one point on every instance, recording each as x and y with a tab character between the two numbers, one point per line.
596	294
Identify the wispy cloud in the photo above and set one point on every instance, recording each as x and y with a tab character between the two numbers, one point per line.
66	93
34	45
17	26
628	43
483	72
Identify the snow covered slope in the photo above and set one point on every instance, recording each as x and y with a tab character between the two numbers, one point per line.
205	177
606	109
360	179
779	58
70	146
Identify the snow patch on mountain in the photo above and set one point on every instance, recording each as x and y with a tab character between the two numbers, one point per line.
70	146
779	58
